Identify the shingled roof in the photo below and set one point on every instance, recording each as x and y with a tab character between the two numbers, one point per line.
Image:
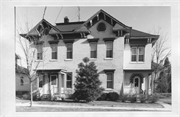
136	33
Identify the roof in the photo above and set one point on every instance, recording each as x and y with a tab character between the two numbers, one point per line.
21	70
68	27
83	26
136	33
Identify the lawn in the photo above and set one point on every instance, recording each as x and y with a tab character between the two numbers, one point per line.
61	109
94	103
166	100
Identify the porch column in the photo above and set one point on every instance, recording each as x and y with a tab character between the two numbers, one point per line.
147	84
59	84
65	78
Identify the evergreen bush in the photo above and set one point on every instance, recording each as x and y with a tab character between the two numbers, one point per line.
87	84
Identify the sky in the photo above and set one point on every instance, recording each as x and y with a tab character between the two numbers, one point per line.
143	18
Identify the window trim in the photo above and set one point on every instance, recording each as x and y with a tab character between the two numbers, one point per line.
69	80
54	45
137	54
93	51
112	73
70	51
107	49
41	52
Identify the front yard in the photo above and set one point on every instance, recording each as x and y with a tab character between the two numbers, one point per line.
88	106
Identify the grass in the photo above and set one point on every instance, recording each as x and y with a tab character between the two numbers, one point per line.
94	103
166	100
61	109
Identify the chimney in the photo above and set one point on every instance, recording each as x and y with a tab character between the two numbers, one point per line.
66	20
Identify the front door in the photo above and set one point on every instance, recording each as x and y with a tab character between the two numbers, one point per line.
54	84
137	84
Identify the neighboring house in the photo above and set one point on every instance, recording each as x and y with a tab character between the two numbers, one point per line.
122	54
22	82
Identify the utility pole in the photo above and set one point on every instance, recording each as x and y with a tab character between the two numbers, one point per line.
79	13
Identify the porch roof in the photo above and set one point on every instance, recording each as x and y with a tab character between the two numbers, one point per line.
50	70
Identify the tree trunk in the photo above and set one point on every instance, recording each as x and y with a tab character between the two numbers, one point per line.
31	100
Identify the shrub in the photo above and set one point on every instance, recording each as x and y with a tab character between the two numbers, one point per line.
103	97
26	96
142	98
124	97
152	98
132	98
36	96
87	84
112	96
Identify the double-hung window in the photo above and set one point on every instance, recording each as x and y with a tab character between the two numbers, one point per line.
93	46
39	52
110	80
54	51
109	49
69	80
137	54
69	50
22	81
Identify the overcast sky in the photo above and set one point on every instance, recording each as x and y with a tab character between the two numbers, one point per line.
145	18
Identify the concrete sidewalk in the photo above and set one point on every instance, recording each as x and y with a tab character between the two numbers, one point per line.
166	108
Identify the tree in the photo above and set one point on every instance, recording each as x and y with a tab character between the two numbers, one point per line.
87	84
159	54
164	79
28	49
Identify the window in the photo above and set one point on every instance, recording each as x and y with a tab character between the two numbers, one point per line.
41	81
110	80
109	49
39	52
69	50
137	54
53	80
22	81
54	51
93	50
69	80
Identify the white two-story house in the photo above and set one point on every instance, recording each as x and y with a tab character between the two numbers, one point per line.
122	54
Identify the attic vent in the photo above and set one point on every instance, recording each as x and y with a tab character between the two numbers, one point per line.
101	26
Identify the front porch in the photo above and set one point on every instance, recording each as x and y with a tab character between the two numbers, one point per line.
137	82
53	83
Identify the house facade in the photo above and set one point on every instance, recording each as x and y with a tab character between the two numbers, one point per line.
22	81
122	55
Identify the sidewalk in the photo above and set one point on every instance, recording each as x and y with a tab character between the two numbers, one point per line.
166	108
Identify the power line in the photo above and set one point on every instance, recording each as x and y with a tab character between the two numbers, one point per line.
44	12
58	14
